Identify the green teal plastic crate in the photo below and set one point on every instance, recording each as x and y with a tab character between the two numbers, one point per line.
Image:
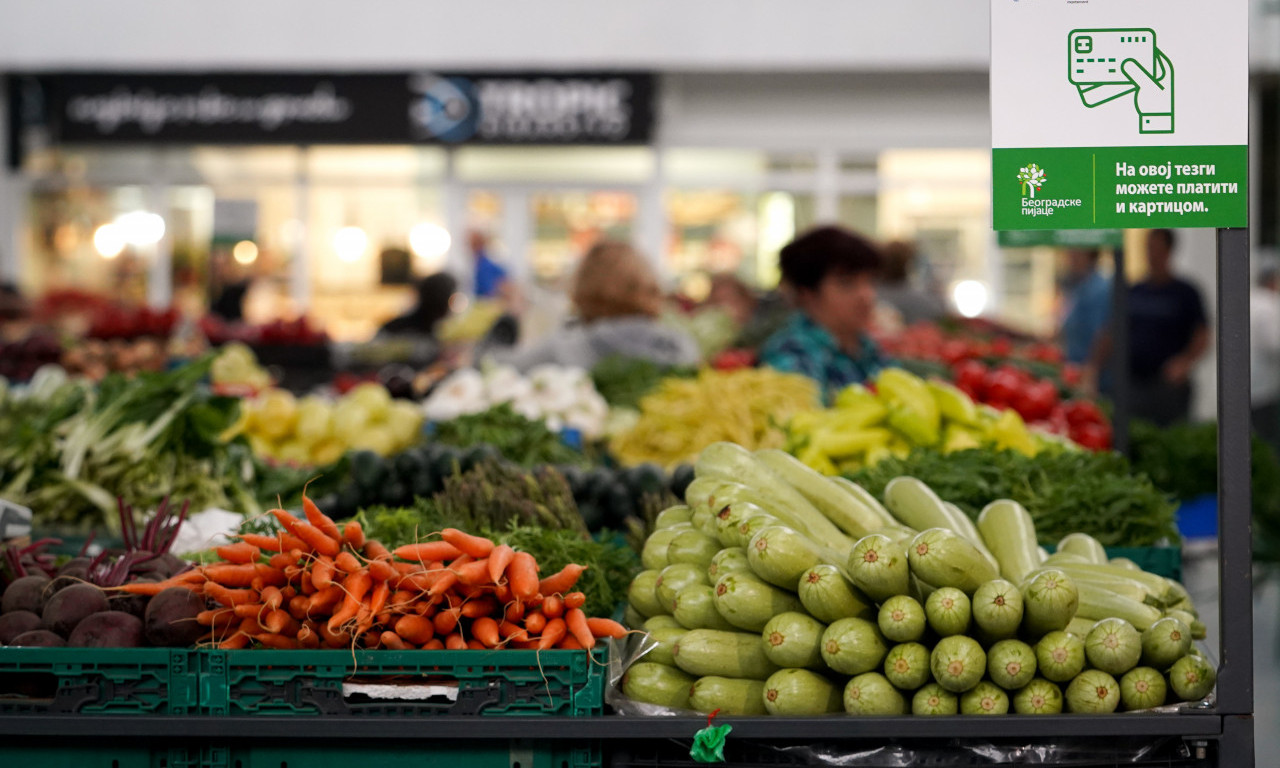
1162	561
510	683
460	754
98	681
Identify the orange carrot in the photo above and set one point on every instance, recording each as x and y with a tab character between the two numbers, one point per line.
353	536
241	552
276	642
606	628
320	519
569	643
575	600
227	596
216	618
378	597
427	551
553	633
475	645
381	570
415	629
435	644
234	642
289	592
392	641
446	621
443	583
322	572
152	588
308	638
298	605
324	600
499	559
272	576
331	637
559	583
408	569
485	630
250	626
318	540
247	610
476	546
401	598
455	642
279	623
356	587
230	575
346	562
272	597
480	606
523	575
283	560
514	611
473	573
376	550
513	632
535	622
553	606
576	621
264	543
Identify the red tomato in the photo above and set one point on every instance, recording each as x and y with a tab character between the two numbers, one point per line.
970	375
1001	347
1080	412
1071	374
1002	387
953	351
1036	401
1095	437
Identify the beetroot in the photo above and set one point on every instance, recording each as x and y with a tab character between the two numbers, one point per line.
15	623
109	629
68	607
170	620
25	594
38	638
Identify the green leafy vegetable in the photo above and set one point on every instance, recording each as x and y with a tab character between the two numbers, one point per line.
622	381
1065	492
519	439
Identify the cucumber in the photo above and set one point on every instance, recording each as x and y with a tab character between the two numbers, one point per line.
997	609
1192	678
704	652
878	566
801	692
1073	558
907	666
943	558
729	695
1112	584
828	596
750	526
748	603
673	516
793	640
984	699
701	492
1124	562
848	514
631	617
727	560
1084	545
735	463
1010	534
653	556
914	503
661	622
643	594
1164	642
1113	646
695	608
657	684
933	699
780	555
1094	692
948	611
1158	586
1099	603
1011	664
674	578
666	643
692	547
1080	626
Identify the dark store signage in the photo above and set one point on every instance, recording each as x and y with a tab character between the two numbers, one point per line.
490	108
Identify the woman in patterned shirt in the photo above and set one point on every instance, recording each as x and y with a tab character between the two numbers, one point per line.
831	273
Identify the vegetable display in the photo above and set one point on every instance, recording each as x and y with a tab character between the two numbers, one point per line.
521	439
623	381
558	396
683	416
844	604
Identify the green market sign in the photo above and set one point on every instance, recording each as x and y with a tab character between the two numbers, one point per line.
1088	128
1061	238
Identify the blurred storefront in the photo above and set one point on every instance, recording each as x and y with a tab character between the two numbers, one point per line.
331	194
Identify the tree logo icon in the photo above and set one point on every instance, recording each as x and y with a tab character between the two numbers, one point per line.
1031	177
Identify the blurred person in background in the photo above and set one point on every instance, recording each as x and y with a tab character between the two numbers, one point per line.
756	315
435	293
617	302
1087	299
1168	334
1264	354
896	290
491	277
831	273
229	283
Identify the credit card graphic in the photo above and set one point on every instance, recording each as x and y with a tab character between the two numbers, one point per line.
1094	56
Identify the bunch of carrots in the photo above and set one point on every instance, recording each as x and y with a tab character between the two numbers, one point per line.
318	585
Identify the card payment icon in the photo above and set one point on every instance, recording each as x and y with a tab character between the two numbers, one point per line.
1095	56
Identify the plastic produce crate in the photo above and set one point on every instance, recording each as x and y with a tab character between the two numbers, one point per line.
112	755
512	754
100	681
402	683
1162	561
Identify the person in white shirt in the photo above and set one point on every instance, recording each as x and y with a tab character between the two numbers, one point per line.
1264	354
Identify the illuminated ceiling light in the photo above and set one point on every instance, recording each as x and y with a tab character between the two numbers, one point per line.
141	227
970	297
245	252
349	243
429	241
108	240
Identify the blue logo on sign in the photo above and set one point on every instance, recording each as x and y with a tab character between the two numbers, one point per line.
445	108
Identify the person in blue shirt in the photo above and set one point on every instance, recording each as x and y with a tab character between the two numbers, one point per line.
1088	305
490	275
830	273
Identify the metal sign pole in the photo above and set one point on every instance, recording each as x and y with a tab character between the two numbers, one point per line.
1120	380
1235	532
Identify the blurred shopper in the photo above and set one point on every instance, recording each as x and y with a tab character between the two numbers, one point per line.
1168	334
1264	354
617	301
831	272
1087	296
12	305
896	290
491	276
756	315
435	293
230	283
